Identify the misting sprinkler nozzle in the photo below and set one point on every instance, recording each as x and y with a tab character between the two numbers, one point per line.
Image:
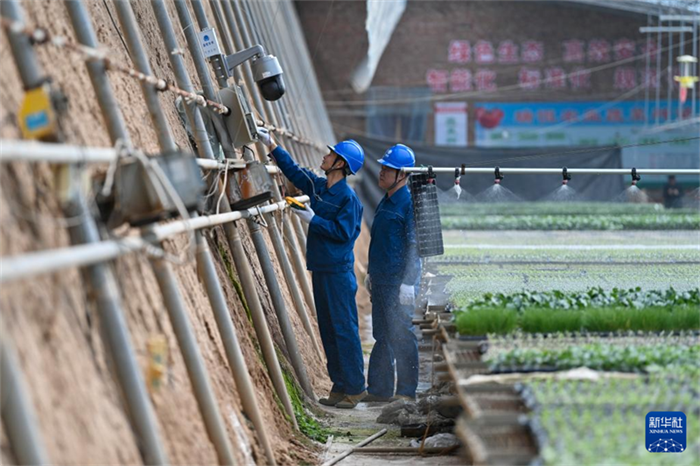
497	176
566	177
635	176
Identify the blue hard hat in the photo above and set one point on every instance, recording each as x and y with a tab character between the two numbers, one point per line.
398	157
351	152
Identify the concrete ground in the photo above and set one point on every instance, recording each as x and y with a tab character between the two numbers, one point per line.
354	425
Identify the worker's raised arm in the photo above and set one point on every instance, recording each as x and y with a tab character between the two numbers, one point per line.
302	178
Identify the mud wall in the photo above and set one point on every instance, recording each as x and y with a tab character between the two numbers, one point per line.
50	319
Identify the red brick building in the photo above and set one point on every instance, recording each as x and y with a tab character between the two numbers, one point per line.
518	56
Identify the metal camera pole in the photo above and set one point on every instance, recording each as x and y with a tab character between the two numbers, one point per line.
205	263
238	253
166	278
100	279
268	269
276	238
240	27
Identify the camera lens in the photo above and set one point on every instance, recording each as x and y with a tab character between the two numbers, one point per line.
272	88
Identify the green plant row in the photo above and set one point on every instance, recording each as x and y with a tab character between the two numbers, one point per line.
597	356
591	422
557	208
593	297
545	320
573	222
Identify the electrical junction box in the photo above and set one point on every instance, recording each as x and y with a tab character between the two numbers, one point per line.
140	197
240	122
37	116
209	42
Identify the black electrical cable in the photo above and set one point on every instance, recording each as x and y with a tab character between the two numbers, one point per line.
116	28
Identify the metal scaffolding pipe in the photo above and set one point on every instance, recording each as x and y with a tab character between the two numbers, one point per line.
280	308
275	234
12	150
263	252
292	281
17	410
193	360
166	280
36	263
232	234
99	277
27	64
193	112
238	366
237	362
138	56
262	331
96	69
208	88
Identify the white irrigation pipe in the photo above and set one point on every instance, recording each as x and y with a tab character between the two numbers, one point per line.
558	171
23	151
41	262
576	247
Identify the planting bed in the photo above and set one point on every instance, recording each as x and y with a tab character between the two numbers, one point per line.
532	308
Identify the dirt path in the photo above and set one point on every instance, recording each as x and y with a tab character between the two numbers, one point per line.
353	426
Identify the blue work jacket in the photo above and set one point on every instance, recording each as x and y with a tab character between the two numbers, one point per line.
336	225
393	250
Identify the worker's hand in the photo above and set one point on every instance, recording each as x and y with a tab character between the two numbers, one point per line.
265	136
407	295
305	215
368	283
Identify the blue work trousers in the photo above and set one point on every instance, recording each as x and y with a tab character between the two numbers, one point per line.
334	295
396	347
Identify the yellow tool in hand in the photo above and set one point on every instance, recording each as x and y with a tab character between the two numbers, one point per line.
294	204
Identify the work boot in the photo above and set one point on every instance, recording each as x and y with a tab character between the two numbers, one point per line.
375	399
401	397
350	401
333	399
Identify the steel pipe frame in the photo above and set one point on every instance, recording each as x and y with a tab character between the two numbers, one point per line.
99	277
17	410
273	230
166	279
207	270
276	237
233	236
52	260
269	275
558	171
138	55
239	32
13	150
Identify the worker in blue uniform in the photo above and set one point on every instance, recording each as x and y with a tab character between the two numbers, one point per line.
334	215
393	277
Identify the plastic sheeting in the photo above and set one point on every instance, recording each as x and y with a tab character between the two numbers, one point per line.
382	18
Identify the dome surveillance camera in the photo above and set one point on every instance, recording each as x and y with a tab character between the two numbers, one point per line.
267	73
